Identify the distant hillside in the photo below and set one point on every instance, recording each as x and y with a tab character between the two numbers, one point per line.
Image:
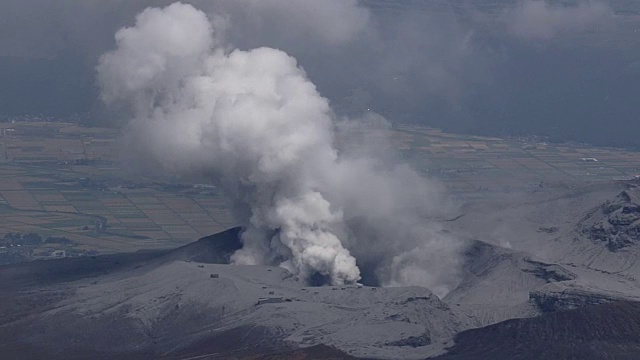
213	249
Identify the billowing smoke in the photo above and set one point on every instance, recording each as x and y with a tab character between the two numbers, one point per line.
310	198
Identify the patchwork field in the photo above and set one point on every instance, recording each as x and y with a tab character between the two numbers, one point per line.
470	165
58	179
62	180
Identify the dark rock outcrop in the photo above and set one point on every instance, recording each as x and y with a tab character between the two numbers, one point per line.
567	299
413	341
616	223
608	331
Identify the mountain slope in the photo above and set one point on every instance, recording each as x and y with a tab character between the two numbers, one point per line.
181	303
607	331
188	302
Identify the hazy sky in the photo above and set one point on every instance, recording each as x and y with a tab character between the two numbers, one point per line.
570	70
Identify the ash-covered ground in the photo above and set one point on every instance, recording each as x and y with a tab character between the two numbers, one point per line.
542	268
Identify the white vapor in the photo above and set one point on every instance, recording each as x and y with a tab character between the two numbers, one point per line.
539	19
252	122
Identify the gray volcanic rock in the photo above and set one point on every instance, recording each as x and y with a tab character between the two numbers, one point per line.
534	257
616	223
189	302
608	331
559	298
170	304
500	284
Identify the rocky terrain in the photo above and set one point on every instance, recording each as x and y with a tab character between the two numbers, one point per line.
616	223
540	277
607	331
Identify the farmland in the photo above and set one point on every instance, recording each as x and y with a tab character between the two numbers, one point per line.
62	181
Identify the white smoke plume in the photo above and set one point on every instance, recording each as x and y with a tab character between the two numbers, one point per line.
252	122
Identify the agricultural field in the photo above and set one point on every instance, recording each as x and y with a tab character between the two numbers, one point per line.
62	181
474	165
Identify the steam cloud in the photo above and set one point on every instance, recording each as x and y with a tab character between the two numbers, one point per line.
252	122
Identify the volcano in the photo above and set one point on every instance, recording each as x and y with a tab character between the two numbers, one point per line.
581	299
